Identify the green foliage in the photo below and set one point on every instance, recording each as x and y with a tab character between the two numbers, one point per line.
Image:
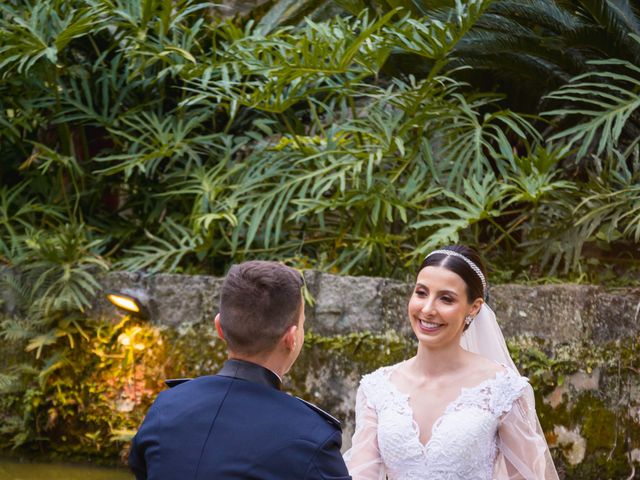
605	103
156	135
85	401
52	282
174	140
527	49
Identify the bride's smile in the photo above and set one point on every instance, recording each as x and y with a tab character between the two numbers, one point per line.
429	327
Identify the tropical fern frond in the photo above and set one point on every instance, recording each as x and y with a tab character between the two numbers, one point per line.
16	329
470	141
102	98
612	214
63	265
162	254
533	187
618	19
606	100
17	218
208	188
274	72
480	201
154	144
39	342
53	363
8	382
433	38
611	210
44	34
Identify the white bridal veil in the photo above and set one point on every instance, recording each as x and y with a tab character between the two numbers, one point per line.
523	452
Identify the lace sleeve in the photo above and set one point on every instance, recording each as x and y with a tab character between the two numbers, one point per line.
523	450
363	458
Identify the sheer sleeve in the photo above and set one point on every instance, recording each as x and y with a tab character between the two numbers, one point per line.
363	458
523	451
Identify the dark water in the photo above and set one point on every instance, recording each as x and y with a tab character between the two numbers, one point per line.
14	470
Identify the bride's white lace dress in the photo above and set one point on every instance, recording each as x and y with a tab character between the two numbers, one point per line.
487	432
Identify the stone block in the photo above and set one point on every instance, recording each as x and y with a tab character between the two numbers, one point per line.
558	312
346	304
173	299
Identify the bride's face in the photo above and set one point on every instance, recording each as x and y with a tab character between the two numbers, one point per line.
438	307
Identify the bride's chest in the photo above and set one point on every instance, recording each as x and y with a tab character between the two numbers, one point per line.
427	407
461	439
460	428
462	444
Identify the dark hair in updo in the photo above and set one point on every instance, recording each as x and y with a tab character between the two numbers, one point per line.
460	267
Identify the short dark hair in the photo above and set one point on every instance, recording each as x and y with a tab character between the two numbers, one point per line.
459	266
259	301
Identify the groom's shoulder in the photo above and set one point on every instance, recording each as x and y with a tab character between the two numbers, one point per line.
185	392
320	414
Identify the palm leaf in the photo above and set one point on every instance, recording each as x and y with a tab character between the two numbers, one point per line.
605	100
162	254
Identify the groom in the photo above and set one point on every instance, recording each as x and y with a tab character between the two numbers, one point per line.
238	424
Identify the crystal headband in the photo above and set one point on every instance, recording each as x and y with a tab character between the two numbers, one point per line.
473	266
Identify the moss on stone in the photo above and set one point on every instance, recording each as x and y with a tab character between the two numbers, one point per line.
604	417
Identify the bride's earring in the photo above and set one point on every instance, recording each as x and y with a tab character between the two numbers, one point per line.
468	319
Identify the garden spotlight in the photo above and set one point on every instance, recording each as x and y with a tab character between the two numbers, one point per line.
134	302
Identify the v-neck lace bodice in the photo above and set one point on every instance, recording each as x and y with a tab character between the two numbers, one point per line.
463	441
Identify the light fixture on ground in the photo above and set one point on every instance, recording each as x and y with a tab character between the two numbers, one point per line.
133	301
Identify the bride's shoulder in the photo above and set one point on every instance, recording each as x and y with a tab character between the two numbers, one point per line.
382	371
497	374
505	386
481	363
486	368
375	386
379	375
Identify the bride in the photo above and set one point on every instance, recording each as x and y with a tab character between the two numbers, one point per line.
458	409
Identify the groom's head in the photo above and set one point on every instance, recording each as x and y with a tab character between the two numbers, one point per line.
260	303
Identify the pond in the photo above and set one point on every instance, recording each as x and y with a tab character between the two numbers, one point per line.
15	470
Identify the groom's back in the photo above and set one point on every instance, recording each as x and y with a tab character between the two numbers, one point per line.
219	427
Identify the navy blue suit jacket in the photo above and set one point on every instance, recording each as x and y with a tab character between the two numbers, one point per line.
236	425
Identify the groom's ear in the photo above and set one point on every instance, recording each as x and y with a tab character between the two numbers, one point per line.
289	337
219	326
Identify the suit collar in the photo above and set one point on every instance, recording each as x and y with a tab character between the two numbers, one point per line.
251	372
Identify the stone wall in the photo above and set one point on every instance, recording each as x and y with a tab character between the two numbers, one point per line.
577	344
342	305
